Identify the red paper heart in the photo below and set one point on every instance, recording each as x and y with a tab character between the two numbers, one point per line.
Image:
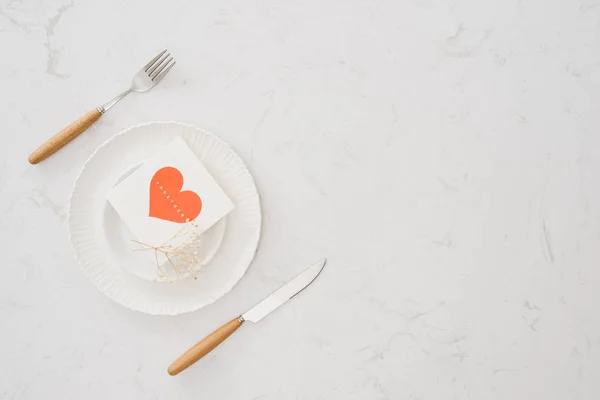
168	202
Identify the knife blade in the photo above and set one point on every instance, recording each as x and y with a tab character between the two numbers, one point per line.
284	293
254	315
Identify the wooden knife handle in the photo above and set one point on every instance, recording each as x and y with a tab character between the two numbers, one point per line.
204	346
63	137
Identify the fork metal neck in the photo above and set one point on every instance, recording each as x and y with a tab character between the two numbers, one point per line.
106	106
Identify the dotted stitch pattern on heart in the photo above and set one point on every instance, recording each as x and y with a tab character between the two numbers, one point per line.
168	201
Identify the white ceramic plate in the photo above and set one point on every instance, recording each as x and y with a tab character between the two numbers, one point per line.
98	236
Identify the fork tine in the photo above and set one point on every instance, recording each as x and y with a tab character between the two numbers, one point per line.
158	71
147	66
161	75
158	64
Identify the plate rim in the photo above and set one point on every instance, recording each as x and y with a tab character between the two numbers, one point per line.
255	240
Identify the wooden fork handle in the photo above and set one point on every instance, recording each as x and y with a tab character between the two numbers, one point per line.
204	346
63	137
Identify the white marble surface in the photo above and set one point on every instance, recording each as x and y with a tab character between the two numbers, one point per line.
445	156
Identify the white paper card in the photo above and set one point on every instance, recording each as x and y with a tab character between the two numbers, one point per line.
167	194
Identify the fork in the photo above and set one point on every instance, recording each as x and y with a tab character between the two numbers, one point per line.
145	79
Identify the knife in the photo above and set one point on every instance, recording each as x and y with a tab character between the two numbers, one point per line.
255	314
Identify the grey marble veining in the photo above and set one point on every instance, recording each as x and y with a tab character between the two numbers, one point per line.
443	155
